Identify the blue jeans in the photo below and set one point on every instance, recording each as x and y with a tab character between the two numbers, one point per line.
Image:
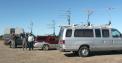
30	45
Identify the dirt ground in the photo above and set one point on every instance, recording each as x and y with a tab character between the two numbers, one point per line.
9	55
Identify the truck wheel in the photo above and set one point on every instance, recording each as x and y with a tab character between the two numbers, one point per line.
45	47
84	51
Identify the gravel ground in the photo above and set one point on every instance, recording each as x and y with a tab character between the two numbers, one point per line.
17	55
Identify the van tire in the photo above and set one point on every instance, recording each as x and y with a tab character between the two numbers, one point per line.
45	47
84	51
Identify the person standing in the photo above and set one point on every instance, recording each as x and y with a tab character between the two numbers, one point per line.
30	42
24	41
13	39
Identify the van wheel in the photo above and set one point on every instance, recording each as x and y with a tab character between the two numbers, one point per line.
84	51
45	47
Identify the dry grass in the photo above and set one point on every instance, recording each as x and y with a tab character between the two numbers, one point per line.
8	55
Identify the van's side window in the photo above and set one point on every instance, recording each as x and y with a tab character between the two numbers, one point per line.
69	33
83	33
97	33
115	33
105	32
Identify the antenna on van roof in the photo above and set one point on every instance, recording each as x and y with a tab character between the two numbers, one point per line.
109	23
69	16
90	12
108	12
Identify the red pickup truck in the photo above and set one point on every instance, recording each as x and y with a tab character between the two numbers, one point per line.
46	42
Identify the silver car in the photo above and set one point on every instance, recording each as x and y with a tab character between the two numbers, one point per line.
85	39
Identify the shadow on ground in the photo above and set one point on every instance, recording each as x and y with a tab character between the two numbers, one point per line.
36	49
46	50
102	53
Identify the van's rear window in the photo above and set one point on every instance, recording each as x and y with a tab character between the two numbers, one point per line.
69	33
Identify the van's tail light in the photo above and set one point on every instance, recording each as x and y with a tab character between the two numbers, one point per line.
62	42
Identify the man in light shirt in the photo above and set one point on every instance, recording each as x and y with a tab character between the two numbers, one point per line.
30	42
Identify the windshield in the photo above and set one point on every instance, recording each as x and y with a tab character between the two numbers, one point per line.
115	33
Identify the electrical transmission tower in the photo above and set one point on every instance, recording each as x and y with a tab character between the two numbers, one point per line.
53	25
31	27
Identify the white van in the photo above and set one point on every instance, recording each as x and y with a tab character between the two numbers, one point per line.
83	39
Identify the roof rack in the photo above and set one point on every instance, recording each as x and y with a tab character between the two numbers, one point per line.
87	26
